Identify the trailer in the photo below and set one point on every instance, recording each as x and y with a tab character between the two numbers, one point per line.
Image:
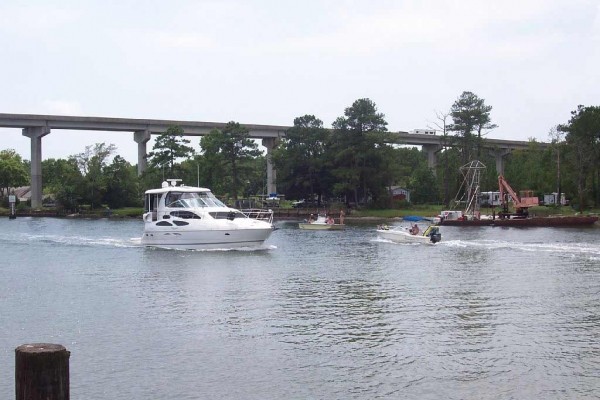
489	199
552	199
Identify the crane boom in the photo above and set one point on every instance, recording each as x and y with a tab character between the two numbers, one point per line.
521	203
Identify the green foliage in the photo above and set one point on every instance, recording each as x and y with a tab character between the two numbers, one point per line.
423	186
63	179
168	148
212	173
406	210
531	169
91	164
13	172
300	159
122	188
357	138
470	116
230	151
131	212
446	174
583	152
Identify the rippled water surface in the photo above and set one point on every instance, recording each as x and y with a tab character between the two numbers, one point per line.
487	313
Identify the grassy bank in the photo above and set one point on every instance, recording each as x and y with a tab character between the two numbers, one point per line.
129	212
421	211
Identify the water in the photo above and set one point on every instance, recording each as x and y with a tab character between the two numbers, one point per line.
487	313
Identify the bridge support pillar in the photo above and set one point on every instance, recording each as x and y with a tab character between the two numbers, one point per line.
36	134
269	143
431	150
141	138
500	154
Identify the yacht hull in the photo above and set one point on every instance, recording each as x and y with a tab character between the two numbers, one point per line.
206	239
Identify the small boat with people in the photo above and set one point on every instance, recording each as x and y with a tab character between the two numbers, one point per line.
192	218
402	234
321	223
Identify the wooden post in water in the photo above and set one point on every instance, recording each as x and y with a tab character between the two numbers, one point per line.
42	372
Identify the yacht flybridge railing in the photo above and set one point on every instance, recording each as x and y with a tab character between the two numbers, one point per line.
259	213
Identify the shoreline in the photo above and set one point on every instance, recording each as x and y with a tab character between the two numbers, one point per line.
292	214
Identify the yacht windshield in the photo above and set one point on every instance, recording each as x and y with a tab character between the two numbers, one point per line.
192	200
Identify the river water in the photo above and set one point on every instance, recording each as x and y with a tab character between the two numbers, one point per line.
487	313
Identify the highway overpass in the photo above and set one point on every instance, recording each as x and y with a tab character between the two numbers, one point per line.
37	126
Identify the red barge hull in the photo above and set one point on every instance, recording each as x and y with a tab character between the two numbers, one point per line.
525	222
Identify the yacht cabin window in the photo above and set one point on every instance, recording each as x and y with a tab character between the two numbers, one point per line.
177	199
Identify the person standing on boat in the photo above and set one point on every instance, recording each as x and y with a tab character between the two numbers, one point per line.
342	214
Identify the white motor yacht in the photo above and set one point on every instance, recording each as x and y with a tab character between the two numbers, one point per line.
185	217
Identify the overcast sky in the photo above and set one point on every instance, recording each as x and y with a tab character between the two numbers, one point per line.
267	62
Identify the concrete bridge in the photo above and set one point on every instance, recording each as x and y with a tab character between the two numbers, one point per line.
433	144
37	126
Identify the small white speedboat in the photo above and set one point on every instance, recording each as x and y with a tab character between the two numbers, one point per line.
192	218
321	224
402	234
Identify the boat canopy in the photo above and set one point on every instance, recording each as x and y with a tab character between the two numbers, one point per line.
413	218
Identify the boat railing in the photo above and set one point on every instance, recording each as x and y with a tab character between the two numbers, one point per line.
259	214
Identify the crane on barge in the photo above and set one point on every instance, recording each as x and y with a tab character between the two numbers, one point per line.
521	203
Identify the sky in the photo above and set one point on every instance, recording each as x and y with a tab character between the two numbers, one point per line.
270	61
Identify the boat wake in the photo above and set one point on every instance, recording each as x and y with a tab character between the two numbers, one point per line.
78	241
591	250
82	241
416	243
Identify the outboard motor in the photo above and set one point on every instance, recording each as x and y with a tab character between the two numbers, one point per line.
434	234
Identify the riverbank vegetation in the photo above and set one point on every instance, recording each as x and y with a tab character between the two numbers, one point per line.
357	163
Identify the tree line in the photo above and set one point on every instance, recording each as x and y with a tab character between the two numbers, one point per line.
356	162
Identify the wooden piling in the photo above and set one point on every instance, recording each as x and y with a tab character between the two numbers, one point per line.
42	372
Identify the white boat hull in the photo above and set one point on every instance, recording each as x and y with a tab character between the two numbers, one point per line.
206	239
402	236
321	227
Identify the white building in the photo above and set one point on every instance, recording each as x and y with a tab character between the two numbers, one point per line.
489	199
399	193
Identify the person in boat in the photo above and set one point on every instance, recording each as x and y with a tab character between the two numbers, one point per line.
414	230
342	214
311	219
330	220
